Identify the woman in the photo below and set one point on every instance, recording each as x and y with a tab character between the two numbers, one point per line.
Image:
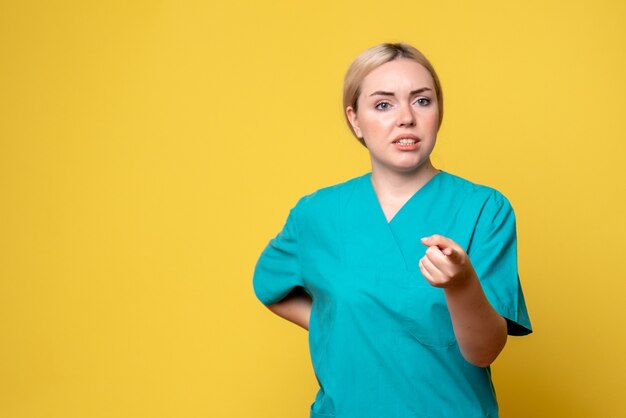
399	326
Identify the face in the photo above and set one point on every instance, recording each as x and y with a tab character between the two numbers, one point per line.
397	116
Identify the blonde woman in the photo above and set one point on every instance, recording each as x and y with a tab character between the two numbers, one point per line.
406	277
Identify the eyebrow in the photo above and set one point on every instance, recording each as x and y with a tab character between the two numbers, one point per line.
388	93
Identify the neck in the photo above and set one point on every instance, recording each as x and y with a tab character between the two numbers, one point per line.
394	183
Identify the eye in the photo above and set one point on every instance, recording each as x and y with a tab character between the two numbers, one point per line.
382	106
423	101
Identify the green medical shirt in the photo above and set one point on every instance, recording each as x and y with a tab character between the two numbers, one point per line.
380	336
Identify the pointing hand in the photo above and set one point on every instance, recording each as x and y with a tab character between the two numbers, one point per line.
445	264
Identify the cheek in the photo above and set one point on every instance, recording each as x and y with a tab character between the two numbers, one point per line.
369	125
431	120
379	122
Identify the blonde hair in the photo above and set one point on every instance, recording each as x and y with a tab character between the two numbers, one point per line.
374	57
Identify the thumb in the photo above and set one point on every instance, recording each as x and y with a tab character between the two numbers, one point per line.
452	254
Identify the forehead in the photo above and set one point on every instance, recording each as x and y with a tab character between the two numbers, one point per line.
397	76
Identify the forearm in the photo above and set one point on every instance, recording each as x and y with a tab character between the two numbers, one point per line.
295	307
480	331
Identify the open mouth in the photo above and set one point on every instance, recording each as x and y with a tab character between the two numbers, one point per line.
405	141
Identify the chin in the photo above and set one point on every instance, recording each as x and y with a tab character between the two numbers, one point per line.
407	168
410	166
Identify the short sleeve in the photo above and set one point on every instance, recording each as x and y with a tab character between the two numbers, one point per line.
493	253
277	271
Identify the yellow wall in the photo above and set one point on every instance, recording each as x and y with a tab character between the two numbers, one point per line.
150	149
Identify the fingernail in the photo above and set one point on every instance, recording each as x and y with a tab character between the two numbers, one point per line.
423	239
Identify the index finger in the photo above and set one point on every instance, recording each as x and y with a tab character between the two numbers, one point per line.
447	246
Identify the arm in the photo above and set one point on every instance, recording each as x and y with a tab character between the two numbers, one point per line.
295	307
480	331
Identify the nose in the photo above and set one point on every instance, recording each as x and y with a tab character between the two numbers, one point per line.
406	117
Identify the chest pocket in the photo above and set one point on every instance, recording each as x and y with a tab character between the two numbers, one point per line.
425	312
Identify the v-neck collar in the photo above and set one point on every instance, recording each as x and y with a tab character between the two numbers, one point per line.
368	240
414	196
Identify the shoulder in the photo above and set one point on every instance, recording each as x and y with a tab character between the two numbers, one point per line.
327	197
476	193
320	210
488	208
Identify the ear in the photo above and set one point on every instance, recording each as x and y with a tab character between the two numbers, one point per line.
353	121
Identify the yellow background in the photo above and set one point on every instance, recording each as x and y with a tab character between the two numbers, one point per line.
150	149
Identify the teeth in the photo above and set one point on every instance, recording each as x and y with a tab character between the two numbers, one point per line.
406	141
